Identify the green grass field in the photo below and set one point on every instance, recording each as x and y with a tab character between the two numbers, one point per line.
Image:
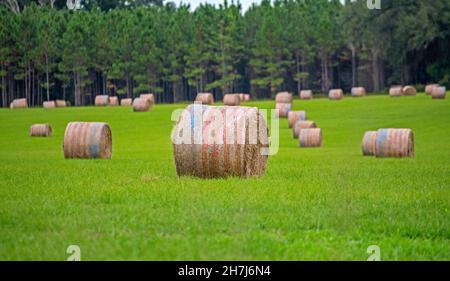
329	203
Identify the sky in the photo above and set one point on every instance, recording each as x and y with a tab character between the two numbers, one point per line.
195	3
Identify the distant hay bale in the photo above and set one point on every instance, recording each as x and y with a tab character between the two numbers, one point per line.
429	88
126	102
310	137
369	143
87	140
102	100
215	152
395	91
232	99
247	97
49	104
300	125
438	93
150	97
358	92
205	98
68	103
282	109
141	105
40	130
113	101
394	143
19	103
61	103
284	97
409	91
336	94
294	116
306	94
241	97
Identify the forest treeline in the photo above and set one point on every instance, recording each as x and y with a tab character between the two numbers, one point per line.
48	51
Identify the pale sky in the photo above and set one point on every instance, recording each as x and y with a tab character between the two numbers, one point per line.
195	3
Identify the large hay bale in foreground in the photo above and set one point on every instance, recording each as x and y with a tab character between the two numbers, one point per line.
358	92
87	140
438	93
282	109
394	143
19	103
150	97
336	94
126	102
369	141
61	103
113	101
396	91
310	137
294	116
284	97
101	100
220	142
232	99
205	98
40	130
49	104
409	91
306	94
141	105
300	125
429	88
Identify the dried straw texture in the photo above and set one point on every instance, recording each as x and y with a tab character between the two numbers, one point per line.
205	98
358	92
49	104
300	125
395	91
214	155
232	99
87	140
283	109
102	100
40	130
336	94
409	91
394	143
141	105
310	137
369	141
113	101
19	103
306	94
429	88
126	102
61	103
247	97
150	97
438	93
295	116
284	97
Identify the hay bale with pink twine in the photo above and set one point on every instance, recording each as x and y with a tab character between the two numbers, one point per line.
409	91
87	140
220	142
232	99
40	130
282	110
101	100
300	125
358	92
61	103
429	88
395	91
113	101
204	98
306	94
150	97
368	145
284	97
49	104
310	137
394	143
126	102
438	93
294	116
19	103
336	94
141	105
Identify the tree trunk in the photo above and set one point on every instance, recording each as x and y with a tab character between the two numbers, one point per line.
297	63
375	70
354	66
4	98
47	77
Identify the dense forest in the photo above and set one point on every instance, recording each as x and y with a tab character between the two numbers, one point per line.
118	47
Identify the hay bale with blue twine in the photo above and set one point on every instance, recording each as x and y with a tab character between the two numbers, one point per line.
394	143
87	140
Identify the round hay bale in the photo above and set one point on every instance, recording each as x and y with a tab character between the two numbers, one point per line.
429	88
295	116
150	97
205	98
87	140
101	100
358	92
438	93
310	137
141	105
49	104
283	109
126	102
113	101
68	103
232	99
241	96
394	143
336	94
61	103
247	97
19	103
300	125
369	143
284	97
306	94
220	142
409	91
395	91
40	130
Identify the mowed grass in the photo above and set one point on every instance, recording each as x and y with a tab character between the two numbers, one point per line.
329	203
